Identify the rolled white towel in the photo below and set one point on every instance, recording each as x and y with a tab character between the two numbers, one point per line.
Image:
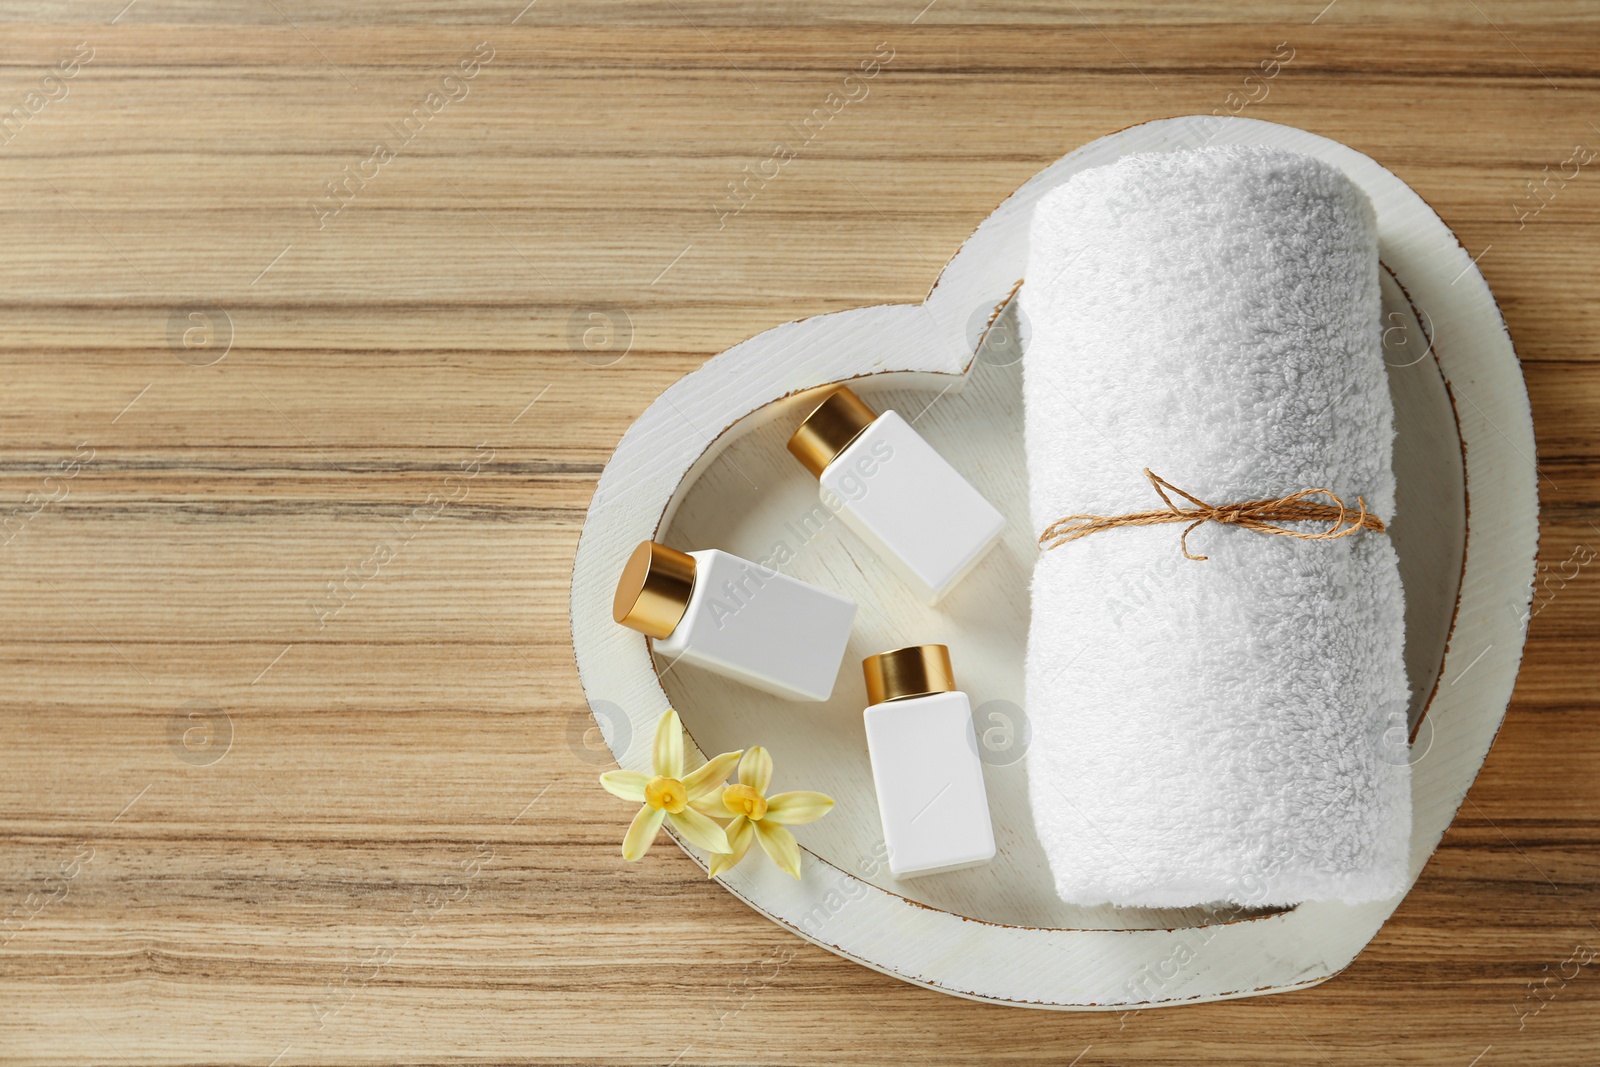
1212	731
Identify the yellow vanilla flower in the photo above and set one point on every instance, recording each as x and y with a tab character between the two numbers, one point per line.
668	794
760	817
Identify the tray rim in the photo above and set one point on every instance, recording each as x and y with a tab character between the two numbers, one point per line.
942	334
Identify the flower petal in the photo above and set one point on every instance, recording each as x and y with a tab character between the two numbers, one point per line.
667	753
711	804
700	831
741	832
799	807
755	770
780	844
641	832
629	785
703	780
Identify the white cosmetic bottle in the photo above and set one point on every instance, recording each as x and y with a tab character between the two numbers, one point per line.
917	512
737	618
925	765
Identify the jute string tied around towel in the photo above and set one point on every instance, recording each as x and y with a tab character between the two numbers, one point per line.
1262	516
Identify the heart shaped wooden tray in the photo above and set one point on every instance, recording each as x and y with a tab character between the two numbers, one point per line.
705	467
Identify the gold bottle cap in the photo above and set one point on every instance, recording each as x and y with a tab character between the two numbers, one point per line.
913	671
653	592
830	428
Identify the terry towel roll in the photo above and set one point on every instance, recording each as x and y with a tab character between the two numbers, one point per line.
1212	731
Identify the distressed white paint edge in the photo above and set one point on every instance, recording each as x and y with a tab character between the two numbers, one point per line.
1090	969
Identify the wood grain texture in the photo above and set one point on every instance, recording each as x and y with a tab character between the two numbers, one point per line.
401	856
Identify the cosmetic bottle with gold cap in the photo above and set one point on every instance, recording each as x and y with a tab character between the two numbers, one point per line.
925	765
737	618
896	493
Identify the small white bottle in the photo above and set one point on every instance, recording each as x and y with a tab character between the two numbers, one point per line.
925	765
900	496
737	618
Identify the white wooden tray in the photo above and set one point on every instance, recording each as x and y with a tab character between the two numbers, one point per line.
705	466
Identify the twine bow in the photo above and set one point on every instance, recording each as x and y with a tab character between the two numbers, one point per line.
1262	516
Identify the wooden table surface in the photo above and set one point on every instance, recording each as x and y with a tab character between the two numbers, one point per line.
291	477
